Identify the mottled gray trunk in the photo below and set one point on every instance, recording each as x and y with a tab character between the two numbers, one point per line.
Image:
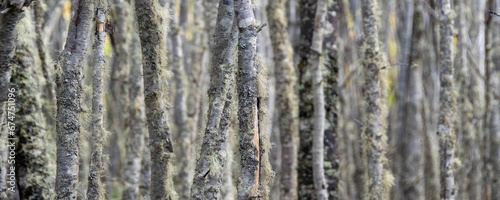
137	153
447	101
375	123
95	189
208	180
69	78
286	99
307	13
32	153
411	141
248	115
318	150
154	63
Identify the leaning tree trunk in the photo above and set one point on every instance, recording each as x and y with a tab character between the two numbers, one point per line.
375	120
447	104
69	78
319	101
248	115
32	153
411	141
286	98
154	63
95	189
208	180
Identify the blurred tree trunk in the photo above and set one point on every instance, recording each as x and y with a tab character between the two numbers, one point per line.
493	82
69	81
411	141
137	180
287	107
208	182
154	64
447	100
375	123
307	10
33	167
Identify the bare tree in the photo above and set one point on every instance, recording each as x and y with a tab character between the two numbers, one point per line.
154	63
95	189
287	105
208	181
69	78
375	120
447	101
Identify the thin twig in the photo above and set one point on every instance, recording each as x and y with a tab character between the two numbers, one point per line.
494	13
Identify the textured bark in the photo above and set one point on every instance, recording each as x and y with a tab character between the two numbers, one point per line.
154	64
95	189
494	113
411	141
286	98
68	81
447	101
319	101
306	109
33	166
248	114
208	180
375	120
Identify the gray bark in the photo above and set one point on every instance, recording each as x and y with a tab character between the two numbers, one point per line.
208	180
286	99
154	64
447	101
32	153
411	141
248	115
68	81
95	189
375	120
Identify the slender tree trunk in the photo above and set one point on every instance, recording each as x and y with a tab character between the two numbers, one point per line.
248	115
32	153
307	10
286	98
319	101
411	141
137	171
68	81
375	119
95	189
154	64
208	182
447	100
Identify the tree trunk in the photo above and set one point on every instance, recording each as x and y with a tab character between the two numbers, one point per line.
95	189
208	181
286	98
411	141
307	13
447	100
248	115
69	77
154	63
32	153
319	101
375	120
